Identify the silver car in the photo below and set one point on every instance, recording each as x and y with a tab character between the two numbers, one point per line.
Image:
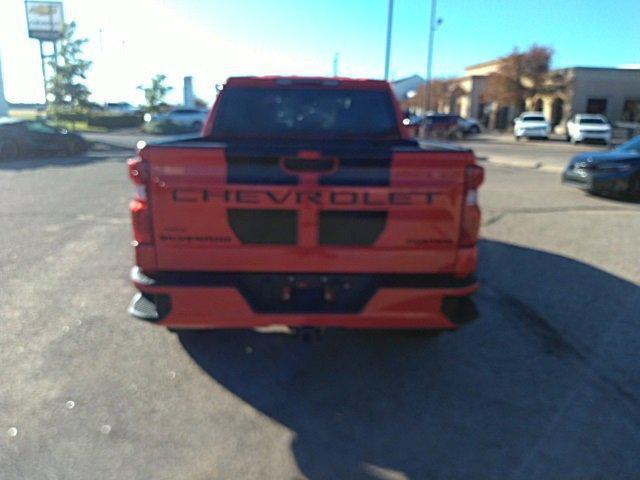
191	118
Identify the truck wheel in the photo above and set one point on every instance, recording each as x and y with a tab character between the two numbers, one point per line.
196	125
8	150
474	130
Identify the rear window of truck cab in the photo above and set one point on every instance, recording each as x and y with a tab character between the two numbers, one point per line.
305	113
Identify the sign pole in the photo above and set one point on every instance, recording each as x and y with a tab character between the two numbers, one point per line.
45	23
387	57
432	29
44	71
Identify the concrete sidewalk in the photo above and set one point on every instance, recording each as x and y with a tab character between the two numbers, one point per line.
544	155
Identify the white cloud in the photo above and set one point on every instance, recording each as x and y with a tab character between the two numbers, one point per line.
130	41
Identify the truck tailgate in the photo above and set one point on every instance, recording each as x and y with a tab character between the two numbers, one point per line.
286	209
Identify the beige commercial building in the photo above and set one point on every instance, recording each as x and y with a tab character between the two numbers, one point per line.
614	92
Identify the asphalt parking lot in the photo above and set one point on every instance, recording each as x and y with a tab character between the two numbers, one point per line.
546	384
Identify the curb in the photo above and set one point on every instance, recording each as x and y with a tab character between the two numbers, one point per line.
539	166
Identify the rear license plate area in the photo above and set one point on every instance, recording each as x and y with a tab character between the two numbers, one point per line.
307	293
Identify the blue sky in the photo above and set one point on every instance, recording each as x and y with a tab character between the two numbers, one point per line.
130	40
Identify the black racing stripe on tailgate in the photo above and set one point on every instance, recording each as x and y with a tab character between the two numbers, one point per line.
370	172
374	171
257	171
343	227
267	227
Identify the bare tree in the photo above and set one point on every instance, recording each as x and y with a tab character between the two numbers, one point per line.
520	75
441	89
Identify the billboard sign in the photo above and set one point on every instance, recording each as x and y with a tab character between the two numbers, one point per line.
45	20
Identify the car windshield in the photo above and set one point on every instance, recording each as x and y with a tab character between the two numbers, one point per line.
305	112
41	127
536	118
632	146
592	121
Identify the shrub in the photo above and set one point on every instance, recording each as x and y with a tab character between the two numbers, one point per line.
111	121
166	127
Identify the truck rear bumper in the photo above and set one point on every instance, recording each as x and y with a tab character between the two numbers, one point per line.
226	300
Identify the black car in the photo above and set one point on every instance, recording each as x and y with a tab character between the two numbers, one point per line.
442	125
26	137
616	172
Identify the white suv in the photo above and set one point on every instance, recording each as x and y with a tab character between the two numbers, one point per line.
531	125
588	126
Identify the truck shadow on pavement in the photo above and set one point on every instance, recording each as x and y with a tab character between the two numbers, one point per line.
546	384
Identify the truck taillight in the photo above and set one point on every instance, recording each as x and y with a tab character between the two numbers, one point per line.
139	175
140	215
141	222
470	221
474	176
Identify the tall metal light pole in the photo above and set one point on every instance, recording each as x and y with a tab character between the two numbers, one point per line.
4	108
389	28
433	24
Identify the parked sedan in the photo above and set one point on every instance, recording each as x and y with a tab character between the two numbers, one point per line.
24	137
442	125
190	118
587	126
616	172
470	126
531	125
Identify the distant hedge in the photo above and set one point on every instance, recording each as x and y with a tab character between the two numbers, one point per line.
104	120
115	121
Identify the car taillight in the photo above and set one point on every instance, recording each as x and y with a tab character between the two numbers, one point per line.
139	207
470	221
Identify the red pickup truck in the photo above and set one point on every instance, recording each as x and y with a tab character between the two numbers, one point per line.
304	202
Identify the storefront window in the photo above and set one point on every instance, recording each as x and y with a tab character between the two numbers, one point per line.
631	111
597	105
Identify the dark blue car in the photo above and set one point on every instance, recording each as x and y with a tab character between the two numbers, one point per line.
616	172
26	137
